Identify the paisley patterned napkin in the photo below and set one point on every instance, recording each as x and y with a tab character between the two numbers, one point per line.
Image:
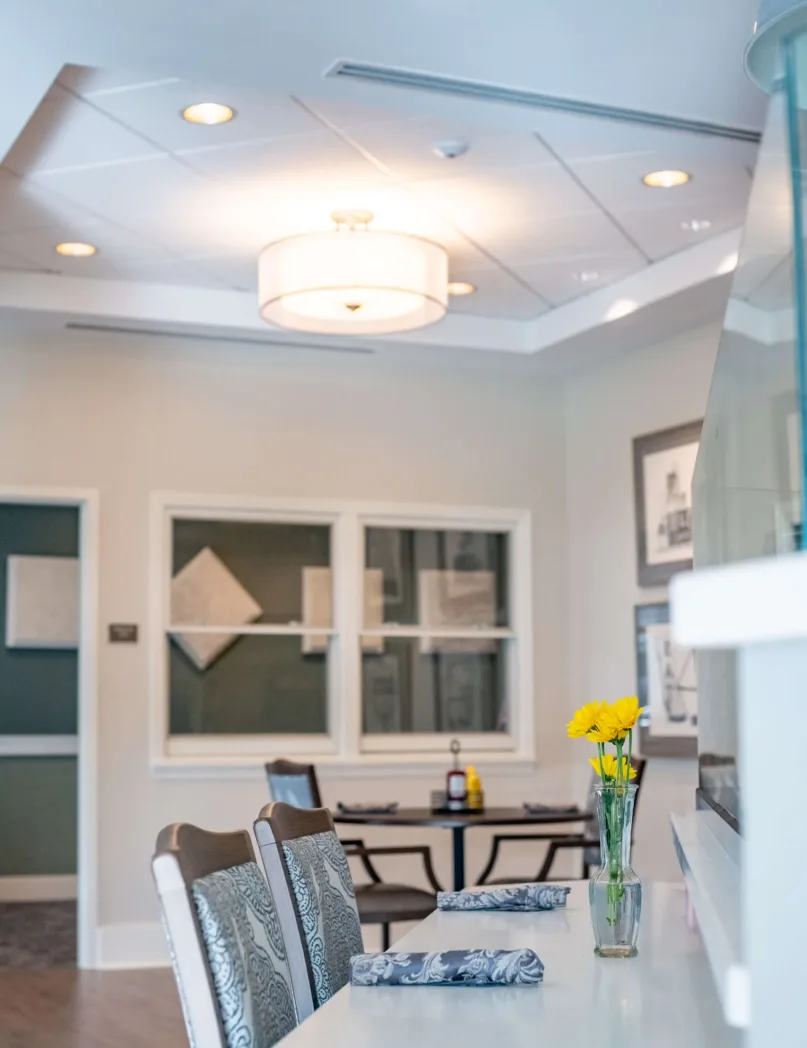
524	897
449	968
550	809
387	808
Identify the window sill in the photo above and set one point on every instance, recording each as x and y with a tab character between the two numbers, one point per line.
370	766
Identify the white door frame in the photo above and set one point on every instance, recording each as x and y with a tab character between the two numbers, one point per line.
87	503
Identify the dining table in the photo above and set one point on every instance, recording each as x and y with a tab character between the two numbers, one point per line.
459	823
663	998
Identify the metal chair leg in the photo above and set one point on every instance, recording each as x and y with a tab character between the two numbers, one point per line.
384	938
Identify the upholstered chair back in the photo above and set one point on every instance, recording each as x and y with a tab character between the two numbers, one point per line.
230	960
300	849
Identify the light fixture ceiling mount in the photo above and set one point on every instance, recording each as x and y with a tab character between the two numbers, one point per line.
353	280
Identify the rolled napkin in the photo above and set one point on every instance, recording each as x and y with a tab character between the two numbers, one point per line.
523	897
388	808
551	809
449	968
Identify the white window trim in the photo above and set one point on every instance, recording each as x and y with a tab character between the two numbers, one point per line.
345	750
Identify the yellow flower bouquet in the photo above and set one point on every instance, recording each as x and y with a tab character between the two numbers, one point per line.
615	892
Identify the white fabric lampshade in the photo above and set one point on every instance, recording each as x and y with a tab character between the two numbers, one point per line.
353	281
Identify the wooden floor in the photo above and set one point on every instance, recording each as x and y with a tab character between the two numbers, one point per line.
72	1009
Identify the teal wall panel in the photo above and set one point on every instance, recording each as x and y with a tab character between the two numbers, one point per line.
38	815
38	696
38	688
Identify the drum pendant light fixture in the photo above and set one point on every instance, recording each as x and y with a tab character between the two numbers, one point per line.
353	280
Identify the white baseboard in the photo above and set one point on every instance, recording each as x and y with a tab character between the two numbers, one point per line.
140	945
39	888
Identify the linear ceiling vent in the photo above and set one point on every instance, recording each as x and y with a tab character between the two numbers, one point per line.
484	92
111	329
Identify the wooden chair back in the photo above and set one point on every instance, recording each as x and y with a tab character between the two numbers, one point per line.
295	784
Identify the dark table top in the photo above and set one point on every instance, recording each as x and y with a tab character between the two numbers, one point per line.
457	819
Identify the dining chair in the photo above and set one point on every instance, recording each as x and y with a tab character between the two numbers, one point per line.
588	842
240	980
380	902
303	856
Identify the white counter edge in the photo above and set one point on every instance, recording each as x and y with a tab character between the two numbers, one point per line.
751	602
709	853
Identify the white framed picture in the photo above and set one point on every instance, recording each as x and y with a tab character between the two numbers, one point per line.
42	602
318	608
663	471
206	593
667	687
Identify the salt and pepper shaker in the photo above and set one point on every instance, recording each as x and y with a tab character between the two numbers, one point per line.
456	784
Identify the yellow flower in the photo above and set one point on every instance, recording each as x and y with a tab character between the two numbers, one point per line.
585	720
602	732
620	717
609	766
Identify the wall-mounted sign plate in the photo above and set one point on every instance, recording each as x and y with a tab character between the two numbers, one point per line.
123	633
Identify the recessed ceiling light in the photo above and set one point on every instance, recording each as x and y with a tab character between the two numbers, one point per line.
460	287
729	263
208	113
621	308
697	225
75	249
665	179
588	276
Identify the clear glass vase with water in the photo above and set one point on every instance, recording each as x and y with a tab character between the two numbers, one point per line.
615	892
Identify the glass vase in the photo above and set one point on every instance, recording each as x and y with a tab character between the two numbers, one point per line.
615	892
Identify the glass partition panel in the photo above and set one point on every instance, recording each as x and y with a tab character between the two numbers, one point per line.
435	578
749	479
260	685
247	600
272	562
424	684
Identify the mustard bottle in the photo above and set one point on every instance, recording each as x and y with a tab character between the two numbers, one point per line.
476	798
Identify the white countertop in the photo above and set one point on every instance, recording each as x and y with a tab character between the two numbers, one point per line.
664	997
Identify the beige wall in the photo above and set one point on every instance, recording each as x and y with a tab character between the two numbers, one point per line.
127	416
638	393
131	416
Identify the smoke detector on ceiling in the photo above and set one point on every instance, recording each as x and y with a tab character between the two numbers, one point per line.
450	148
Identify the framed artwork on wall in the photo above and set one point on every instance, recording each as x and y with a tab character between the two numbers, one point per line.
666	685
663	467
42	602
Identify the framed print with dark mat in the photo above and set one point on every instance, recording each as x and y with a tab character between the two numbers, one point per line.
666	685
663	467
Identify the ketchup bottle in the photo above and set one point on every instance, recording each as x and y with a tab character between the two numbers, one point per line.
456	783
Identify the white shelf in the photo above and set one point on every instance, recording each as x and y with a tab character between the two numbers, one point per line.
709	853
751	602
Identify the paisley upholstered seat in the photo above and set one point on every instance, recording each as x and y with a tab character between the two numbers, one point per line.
379	902
302	853
233	968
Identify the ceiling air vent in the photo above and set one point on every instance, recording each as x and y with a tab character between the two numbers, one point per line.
483	92
111	329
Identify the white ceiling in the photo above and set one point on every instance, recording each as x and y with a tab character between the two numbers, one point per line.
179	212
683	58
106	158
